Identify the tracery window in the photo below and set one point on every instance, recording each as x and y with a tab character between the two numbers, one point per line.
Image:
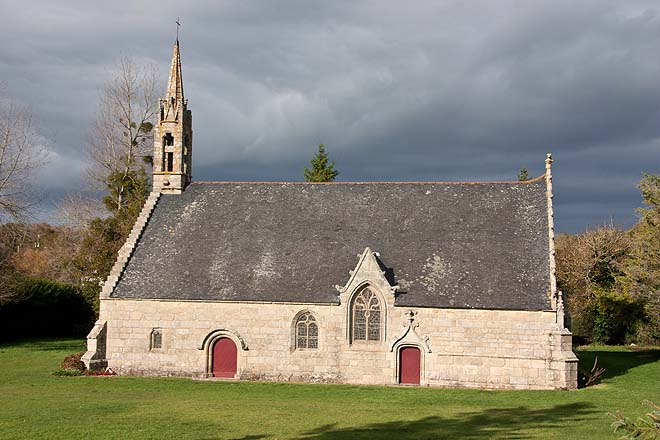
307	331
366	316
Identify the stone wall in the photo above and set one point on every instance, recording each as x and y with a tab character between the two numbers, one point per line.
468	348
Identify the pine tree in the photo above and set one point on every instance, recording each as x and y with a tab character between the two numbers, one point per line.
523	174
321	171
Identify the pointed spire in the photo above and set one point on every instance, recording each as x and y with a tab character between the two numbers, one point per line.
175	84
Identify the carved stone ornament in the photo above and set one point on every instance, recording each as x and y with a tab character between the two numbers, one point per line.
367	270
560	310
410	335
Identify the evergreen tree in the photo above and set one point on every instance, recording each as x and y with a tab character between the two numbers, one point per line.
321	170
523	174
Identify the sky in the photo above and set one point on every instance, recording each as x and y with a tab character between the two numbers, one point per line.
397	91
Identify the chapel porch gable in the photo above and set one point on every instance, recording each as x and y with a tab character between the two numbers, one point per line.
368	271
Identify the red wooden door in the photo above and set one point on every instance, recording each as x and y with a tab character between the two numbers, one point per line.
409	362
224	358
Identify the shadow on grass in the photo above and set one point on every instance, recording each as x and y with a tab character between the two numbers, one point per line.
46	344
247	437
616	363
510	423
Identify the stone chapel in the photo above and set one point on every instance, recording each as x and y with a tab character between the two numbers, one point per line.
419	283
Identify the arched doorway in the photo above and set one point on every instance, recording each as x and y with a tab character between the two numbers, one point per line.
409	365
224	358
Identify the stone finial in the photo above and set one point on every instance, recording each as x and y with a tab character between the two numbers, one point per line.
560	310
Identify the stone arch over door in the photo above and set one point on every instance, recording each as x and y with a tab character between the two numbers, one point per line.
227	342
410	339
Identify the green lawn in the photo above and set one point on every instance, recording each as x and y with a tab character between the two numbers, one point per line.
36	404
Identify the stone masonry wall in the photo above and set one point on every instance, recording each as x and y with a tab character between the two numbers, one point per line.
469	348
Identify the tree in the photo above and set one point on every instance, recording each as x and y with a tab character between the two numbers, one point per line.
22	152
12	236
120	149
77	211
589	272
523	174
120	142
321	170
642	270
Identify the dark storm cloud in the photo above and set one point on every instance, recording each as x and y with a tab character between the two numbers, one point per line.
432	90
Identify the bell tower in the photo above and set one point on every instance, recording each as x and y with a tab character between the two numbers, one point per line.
173	135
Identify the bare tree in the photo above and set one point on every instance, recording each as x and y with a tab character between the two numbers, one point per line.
121	133
589	265
22	152
591	260
77	211
12	236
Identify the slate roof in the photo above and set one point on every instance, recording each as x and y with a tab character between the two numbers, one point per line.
452	245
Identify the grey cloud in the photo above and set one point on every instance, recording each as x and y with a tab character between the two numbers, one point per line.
428	91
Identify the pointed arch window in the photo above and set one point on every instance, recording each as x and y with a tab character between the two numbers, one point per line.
366	314
307	331
156	339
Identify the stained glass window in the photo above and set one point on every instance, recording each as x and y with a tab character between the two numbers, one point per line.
307	331
366	316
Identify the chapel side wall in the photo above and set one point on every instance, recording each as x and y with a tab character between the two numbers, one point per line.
497	349
265	328
469	348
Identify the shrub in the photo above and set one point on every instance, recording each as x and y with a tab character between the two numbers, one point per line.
45	308
73	362
615	317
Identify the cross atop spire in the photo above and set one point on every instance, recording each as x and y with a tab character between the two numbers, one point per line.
175	84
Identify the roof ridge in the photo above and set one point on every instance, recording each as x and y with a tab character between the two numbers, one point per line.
502	182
